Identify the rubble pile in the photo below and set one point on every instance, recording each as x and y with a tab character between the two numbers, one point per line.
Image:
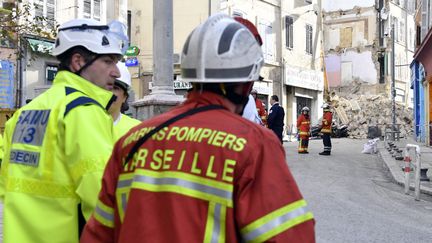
360	112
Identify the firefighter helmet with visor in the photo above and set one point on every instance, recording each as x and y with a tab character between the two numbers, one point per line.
92	35
124	81
221	50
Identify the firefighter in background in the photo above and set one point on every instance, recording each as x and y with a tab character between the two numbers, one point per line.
326	129
122	122
260	107
303	127
202	161
57	146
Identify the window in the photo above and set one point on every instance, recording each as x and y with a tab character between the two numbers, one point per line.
45	9
265	29
50	12
39	11
346	37
129	25
87	9
401	31
396	30
50	73
289	27
96	9
309	36
92	9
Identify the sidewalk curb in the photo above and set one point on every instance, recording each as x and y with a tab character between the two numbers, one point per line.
397	175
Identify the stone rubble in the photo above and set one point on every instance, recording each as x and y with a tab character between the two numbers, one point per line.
360	112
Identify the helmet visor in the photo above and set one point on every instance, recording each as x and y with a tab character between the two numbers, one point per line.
114	30
118	31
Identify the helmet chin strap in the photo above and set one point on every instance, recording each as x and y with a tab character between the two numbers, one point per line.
235	98
87	65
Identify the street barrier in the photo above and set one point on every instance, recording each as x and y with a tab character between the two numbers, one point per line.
417	167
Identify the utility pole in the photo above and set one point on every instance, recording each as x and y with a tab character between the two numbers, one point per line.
163	47
162	96
393	88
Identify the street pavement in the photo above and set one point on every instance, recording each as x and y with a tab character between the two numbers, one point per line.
354	198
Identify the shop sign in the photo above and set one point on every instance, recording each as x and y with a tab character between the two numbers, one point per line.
131	62
132	51
304	78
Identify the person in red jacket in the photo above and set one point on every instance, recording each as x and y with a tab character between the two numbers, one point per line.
260	107
303	127
326	129
200	172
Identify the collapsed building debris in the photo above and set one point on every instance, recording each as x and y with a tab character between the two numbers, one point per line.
360	112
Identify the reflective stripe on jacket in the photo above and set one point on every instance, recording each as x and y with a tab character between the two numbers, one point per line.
55	151
303	125
327	122
213	177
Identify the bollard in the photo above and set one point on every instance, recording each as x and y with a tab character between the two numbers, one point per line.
407	170
417	168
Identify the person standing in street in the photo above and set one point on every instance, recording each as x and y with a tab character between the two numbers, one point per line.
303	127
259	107
122	122
57	146
326	129
250	111
276	117
202	161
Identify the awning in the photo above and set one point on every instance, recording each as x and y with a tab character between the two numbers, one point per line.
44	47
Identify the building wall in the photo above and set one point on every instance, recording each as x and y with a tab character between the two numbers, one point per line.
404	45
349	38
186	16
303	78
34	72
266	15
350	66
335	5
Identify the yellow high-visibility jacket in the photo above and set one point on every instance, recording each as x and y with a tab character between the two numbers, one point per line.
123	125
56	148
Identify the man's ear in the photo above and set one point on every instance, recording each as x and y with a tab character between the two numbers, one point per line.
77	62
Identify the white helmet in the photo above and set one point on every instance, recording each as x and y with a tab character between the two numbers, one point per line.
325	106
305	109
93	35
221	50
125	76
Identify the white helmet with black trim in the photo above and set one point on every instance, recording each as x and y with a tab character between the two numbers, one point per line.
325	106
93	35
125	77
305	109
221	50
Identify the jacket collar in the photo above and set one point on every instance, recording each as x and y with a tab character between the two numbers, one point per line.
207	98
69	79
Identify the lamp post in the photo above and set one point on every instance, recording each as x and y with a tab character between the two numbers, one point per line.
393	88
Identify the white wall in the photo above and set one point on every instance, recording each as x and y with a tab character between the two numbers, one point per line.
362	67
334	5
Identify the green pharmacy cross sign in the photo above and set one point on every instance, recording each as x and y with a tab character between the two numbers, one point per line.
132	51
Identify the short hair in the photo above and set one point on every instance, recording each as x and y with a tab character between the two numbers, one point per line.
65	58
275	98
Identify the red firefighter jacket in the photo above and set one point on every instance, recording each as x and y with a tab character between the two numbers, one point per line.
200	180
303	125
327	122
261	111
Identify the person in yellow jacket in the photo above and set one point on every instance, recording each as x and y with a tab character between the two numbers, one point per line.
122	122
57	146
